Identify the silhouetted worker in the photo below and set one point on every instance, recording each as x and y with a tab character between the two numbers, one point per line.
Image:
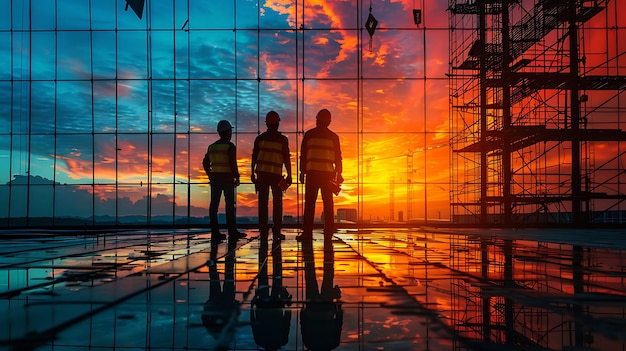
221	310
320	161
321	319
269	318
270	153
220	164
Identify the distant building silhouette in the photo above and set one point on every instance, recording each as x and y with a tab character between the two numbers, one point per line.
347	214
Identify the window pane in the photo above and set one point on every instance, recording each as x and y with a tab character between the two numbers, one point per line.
390	105
19	18
276	18
279	96
43	116
200	198
162	204
103	15
163	108
104	105
73	14
334	94
132	106
5	107
246	14
42	157
43	55
73	204
127	19
208	14
182	63
211	101
4	198
161	14
104	65
182	106
247	105
17	200
163	55
132	155
5	56
73	61
74	107
40	203
132	58
327	56
105	205
248	54
246	203
162	158
5	14
199	145
278	55
104	159
74	164
19	155
20	56
245	143
182	169
212	54
182	208
132	204
5	159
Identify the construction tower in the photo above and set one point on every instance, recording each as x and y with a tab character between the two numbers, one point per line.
537	112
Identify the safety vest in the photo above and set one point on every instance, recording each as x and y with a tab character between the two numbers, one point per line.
219	158
270	157
320	155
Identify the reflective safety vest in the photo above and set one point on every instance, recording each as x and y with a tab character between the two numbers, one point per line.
320	155
219	158
270	157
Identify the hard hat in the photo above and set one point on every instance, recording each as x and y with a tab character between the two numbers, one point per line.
323	115
223	125
272	117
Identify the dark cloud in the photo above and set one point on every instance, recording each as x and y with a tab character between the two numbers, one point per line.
77	201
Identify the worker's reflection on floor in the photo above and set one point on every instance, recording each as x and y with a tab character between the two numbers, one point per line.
222	309
321	318
269	317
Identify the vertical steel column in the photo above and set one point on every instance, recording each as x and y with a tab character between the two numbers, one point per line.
577	217
506	116
486	298
359	112
483	112
423	6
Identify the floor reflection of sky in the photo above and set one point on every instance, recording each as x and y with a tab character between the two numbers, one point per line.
379	289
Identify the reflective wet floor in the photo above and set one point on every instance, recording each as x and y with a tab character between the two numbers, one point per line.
378	289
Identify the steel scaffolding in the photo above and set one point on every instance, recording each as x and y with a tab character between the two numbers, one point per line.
536	136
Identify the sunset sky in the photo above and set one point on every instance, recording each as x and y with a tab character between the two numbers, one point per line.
127	114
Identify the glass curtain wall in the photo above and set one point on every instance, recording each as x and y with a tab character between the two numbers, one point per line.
107	111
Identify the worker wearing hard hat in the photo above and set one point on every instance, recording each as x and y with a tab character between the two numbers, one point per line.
270	153
220	164
320	162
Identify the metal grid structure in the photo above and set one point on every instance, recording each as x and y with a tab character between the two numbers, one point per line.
536	136
112	132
